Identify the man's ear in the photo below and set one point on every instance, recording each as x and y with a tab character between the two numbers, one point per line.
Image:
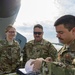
73	29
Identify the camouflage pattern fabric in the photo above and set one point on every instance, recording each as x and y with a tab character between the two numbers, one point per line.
9	57
66	57
52	68
39	49
11	74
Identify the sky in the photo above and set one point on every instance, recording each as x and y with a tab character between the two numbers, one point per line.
44	12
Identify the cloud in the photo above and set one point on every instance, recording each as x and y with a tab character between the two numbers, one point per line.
44	12
66	6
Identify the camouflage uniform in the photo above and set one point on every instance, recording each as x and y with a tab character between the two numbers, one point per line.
65	64
9	57
67	55
39	49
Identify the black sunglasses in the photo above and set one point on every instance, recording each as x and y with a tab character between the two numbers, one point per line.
39	33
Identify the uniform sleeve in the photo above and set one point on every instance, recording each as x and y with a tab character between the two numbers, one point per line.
52	51
24	55
18	48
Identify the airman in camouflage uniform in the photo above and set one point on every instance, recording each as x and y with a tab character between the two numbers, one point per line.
65	64
39	47
9	53
65	28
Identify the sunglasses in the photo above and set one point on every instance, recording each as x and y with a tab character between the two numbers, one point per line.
39	33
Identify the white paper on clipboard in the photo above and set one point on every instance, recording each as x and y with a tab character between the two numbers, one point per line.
29	67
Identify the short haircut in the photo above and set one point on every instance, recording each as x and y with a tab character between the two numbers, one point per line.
38	26
67	20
